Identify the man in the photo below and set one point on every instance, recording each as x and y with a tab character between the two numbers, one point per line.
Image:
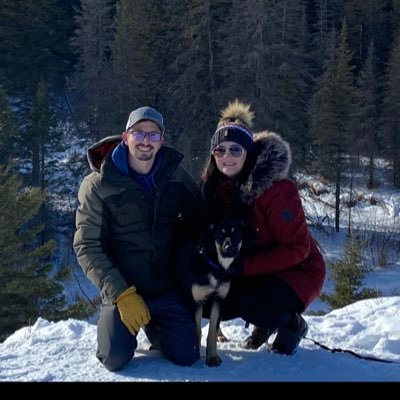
131	208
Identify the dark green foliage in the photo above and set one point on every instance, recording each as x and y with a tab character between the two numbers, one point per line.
92	84
34	43
197	80
27	290
137	52
40	123
189	59
81	309
333	108
348	274
7	129
391	113
369	21
333	116
367	128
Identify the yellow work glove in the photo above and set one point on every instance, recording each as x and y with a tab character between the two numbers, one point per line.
133	310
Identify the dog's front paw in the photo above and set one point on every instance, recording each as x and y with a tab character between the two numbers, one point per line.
214	361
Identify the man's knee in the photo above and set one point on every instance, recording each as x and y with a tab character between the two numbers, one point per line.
114	362
184	357
115	344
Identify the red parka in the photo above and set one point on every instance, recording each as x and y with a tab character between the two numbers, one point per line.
283	244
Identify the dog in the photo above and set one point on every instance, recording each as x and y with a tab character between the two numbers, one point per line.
211	277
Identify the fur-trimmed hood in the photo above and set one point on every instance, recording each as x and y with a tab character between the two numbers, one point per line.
98	151
273	159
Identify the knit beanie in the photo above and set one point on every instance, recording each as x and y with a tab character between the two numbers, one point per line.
235	126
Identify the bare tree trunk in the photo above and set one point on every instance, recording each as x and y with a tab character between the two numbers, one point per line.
210	50
351	196
371	169
42	168
35	162
337	194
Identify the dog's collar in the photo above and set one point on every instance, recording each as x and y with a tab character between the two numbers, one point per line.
217	267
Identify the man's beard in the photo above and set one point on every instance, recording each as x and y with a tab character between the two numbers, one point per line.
144	156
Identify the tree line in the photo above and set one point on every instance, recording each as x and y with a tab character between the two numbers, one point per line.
322	73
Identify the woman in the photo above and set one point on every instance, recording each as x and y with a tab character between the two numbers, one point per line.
246	176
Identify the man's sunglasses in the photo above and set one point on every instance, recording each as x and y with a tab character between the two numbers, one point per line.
153	136
234	151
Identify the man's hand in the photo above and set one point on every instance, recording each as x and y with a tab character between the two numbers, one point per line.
133	310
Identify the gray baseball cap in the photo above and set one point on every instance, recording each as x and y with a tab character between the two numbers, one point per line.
145	113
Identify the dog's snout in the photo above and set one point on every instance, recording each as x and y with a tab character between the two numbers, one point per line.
227	245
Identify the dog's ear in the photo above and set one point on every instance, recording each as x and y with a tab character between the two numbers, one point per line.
207	238
211	230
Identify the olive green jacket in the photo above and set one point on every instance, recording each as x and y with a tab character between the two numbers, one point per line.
124	236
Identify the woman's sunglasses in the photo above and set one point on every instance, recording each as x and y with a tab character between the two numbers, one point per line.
234	151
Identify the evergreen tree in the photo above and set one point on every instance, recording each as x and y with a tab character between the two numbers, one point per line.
34	43
7	129
271	67
137	67
41	122
395	18
368	122
326	17
347	275
197	80
172	43
92	82
391	116
333	116
26	292
256	65
293	79
367	21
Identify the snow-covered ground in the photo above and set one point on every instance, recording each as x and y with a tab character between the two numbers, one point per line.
65	351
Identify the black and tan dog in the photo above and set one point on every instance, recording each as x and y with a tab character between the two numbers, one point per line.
211	274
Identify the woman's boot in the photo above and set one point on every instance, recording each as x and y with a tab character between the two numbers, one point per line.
257	338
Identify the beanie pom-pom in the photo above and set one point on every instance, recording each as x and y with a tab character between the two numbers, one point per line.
237	113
